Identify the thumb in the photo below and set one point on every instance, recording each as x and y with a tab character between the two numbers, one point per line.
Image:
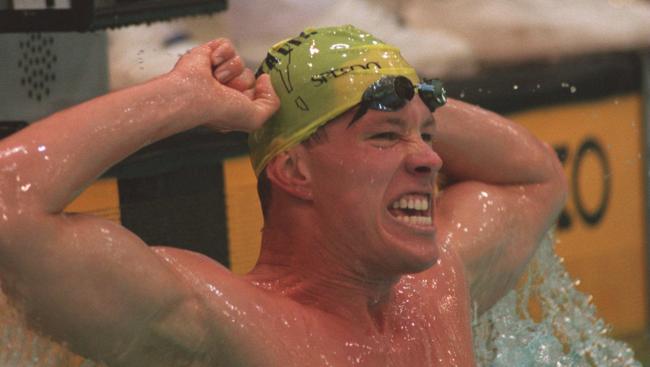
266	101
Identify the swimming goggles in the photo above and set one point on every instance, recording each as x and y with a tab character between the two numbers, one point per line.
391	93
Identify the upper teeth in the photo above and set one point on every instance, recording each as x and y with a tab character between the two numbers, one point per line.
417	202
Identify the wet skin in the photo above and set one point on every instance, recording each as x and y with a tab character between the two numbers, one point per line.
342	280
341	296
424	321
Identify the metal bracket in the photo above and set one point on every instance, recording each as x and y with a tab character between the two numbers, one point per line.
90	15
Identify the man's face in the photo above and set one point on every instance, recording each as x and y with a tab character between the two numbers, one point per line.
366	176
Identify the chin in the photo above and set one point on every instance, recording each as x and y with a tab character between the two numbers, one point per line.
420	262
411	253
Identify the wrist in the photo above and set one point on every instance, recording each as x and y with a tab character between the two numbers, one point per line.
175	99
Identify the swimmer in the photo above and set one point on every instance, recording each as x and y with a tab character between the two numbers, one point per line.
363	262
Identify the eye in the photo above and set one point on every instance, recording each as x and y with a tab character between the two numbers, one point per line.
386	136
427	137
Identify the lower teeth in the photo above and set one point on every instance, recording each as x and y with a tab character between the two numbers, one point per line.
415	219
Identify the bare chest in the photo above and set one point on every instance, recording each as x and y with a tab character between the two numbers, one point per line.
416	333
416	345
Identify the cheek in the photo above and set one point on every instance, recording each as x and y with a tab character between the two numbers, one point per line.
363	170
357	185
377	167
336	188
356	173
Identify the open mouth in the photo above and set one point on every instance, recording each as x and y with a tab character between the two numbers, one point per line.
413	209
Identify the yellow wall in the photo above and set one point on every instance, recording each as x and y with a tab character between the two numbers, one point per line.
243	214
101	199
608	257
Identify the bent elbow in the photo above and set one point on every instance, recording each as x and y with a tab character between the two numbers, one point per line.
559	179
556	181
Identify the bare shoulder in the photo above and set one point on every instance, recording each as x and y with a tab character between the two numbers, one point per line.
496	229
216	284
198	263
434	308
214	280
440	294
234	313
446	279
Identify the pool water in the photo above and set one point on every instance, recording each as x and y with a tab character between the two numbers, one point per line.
547	322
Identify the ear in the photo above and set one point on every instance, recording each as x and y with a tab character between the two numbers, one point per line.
289	171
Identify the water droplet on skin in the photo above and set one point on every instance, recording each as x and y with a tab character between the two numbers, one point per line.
12	151
215	290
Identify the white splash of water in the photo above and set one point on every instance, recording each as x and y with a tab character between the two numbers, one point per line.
568	334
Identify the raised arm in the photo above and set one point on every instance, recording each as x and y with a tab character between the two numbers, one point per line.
88	281
503	191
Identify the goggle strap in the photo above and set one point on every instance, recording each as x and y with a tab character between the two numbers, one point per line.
363	108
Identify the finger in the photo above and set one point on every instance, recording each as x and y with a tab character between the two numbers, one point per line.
197	56
222	51
265	99
244	81
229	70
202	55
215	43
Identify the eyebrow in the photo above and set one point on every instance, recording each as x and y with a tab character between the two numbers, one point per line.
428	122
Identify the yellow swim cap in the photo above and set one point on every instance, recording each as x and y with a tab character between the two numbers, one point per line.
319	75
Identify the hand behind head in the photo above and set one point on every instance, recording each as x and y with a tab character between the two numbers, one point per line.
224	94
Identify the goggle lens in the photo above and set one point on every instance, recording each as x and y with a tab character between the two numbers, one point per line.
391	93
432	93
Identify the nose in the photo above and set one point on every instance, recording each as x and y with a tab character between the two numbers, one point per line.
422	160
